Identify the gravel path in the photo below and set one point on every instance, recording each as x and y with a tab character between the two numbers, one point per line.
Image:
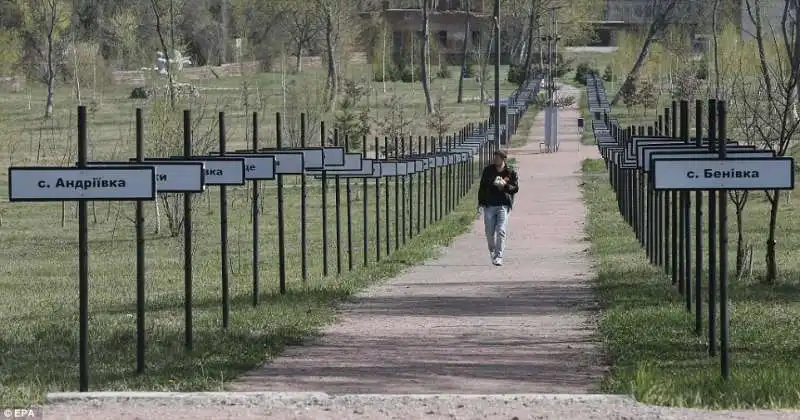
457	324
454	325
245	406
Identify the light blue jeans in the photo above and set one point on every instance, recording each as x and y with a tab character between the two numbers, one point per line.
495	222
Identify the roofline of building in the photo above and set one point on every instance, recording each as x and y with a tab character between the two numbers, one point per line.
433	12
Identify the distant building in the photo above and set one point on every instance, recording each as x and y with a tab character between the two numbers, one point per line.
636	15
446	23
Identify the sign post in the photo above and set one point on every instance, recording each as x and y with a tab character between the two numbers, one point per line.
671	168
82	184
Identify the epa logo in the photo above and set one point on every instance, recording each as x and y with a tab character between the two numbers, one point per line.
19	413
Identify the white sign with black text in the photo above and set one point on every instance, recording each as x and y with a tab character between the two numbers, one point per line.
73	184
289	163
171	177
224	171
334	156
388	168
737	154
724	174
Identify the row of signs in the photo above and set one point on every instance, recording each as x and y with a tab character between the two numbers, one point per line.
672	164
135	180
596	99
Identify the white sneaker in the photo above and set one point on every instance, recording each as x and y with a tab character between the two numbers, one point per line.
497	261
491	256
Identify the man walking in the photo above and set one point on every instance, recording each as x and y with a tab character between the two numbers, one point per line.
499	184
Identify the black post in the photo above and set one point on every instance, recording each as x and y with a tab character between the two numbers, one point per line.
365	210
324	185
441	174
724	346
712	238
668	261
448	191
256	217
403	208
281	221
698	229
223	232
686	216
387	202
496	57
140	266
377	208
303	205
349	212
674	202
338	210
187	237
425	201
397	198
419	190
83	259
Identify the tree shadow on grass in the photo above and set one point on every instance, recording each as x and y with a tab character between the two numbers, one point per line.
786	291
46	358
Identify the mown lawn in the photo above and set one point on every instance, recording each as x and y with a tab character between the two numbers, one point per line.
649	336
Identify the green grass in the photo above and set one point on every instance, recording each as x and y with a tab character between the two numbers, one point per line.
38	257
649	336
523	135
39	276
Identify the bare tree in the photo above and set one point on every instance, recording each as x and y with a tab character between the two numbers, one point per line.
657	25
160	31
533	28
301	25
464	51
425	57
45	22
328	14
774	104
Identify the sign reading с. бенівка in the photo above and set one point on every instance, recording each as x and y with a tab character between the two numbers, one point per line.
724	174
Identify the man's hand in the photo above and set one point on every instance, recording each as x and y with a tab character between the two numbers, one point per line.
501	184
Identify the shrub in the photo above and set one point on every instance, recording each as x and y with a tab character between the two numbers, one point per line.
608	74
444	72
582	71
516	74
469	71
702	71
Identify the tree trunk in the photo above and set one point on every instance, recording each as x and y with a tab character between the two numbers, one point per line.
383	59
298	67
160	32
423	74
48	109
658	23
51	76
223	32
532	19
465	56
739	240
772	264
330	46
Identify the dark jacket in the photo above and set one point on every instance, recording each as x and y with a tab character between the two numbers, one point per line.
491	195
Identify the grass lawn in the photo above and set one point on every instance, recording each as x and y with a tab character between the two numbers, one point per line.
39	276
38	259
648	335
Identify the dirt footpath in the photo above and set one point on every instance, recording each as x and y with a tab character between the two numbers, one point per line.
458	324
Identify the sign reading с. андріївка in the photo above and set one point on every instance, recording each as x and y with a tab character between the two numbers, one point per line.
93	183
